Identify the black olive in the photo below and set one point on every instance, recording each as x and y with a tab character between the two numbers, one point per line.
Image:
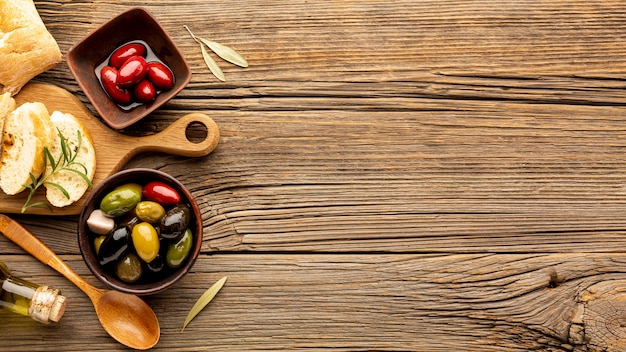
156	266
175	222
115	246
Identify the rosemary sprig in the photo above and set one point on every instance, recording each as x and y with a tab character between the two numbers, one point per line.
65	161
223	51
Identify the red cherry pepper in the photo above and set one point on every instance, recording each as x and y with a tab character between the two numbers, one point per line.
132	71
160	75
108	77
161	193
126	51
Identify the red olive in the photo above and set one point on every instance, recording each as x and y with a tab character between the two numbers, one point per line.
160	75
108	77
132	71
144	91
126	51
161	193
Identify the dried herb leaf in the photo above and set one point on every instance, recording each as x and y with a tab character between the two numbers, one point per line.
225	52
192	35
206	297
208	60
212	65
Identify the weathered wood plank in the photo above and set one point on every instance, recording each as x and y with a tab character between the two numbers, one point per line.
517	179
391	176
303	156
475	302
531	50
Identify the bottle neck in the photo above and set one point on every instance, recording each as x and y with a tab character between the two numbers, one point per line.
42	303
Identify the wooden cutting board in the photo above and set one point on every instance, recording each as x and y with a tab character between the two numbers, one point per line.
113	149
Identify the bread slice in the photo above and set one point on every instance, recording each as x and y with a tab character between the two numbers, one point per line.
7	105
74	184
26	47
27	131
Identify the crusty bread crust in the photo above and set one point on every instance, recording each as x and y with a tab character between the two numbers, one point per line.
27	131
75	185
26	47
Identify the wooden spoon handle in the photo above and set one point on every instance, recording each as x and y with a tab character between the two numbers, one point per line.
19	235
25	239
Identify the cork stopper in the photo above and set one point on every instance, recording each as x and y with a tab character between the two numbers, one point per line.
47	304
57	309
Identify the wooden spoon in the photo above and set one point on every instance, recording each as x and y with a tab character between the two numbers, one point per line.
127	318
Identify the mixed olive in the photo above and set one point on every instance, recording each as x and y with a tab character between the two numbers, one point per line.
141	233
133	74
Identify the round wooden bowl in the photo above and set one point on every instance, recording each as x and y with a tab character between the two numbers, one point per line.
86	237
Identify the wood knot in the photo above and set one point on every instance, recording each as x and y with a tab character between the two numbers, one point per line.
602	316
554	279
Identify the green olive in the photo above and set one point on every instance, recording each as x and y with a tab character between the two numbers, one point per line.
149	211
146	241
121	200
97	242
177	252
134	186
128	269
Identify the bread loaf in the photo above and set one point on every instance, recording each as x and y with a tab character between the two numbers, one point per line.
73	183
27	131
26	47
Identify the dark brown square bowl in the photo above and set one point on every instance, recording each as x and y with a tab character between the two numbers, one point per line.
131	25
150	282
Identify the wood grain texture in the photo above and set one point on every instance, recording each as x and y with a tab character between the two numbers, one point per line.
393	176
370	302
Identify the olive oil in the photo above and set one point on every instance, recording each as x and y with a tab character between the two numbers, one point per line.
42	303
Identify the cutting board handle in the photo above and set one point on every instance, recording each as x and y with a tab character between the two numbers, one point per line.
173	139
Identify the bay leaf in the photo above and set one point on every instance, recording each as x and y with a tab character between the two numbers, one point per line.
202	302
212	65
225	52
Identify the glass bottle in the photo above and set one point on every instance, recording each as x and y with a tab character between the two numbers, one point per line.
42	303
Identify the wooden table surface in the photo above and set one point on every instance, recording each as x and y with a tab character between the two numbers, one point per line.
391	176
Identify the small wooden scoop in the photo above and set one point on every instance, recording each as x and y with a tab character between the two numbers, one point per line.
113	149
